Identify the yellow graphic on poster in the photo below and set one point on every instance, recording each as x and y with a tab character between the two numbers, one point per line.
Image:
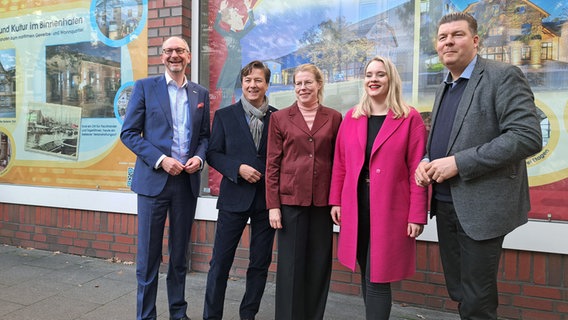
66	73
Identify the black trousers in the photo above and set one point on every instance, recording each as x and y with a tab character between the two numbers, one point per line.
230	227
377	296
304	262
470	266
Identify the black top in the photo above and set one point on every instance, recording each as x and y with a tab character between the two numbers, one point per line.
374	124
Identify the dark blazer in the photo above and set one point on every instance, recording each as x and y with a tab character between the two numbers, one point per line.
231	145
495	129
299	160
148	131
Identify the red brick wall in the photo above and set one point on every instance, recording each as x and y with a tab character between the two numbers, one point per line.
532	285
166	18
95	234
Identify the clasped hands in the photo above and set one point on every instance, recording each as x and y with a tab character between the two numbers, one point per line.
438	170
174	167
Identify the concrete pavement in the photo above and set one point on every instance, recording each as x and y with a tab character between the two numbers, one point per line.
36	284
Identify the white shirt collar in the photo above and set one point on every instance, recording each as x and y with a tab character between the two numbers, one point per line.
169	79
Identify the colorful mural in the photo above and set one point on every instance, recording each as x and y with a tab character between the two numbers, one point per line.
340	36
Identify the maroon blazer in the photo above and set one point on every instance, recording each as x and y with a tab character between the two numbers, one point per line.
299	160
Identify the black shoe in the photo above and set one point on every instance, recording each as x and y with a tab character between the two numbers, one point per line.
247	318
182	318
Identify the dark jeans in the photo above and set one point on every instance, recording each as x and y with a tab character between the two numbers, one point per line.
230	226
470	266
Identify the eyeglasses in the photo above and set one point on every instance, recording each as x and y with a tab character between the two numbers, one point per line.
179	51
306	84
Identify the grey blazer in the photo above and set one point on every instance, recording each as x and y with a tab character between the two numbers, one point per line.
495	129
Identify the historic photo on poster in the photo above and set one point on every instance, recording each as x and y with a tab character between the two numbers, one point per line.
53	129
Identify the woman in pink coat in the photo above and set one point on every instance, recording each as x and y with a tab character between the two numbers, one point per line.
374	197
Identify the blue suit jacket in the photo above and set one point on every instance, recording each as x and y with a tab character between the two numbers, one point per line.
148	131
231	145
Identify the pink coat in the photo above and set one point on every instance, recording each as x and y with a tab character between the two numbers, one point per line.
396	200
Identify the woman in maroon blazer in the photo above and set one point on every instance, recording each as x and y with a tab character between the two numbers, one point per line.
301	141
373	194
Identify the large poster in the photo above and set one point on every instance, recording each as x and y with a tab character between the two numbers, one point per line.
66	72
340	36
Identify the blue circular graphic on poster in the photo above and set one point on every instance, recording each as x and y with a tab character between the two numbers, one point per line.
121	101
118	22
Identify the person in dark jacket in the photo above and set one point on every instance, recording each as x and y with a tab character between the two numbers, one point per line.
237	150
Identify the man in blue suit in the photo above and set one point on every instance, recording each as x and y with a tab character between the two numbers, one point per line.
167	127
485	125
237	150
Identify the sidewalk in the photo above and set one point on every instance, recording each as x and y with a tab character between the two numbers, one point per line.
36	284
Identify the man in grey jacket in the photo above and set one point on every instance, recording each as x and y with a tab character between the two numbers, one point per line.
484	126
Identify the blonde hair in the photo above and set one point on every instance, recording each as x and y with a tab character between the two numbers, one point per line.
308	67
394	99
